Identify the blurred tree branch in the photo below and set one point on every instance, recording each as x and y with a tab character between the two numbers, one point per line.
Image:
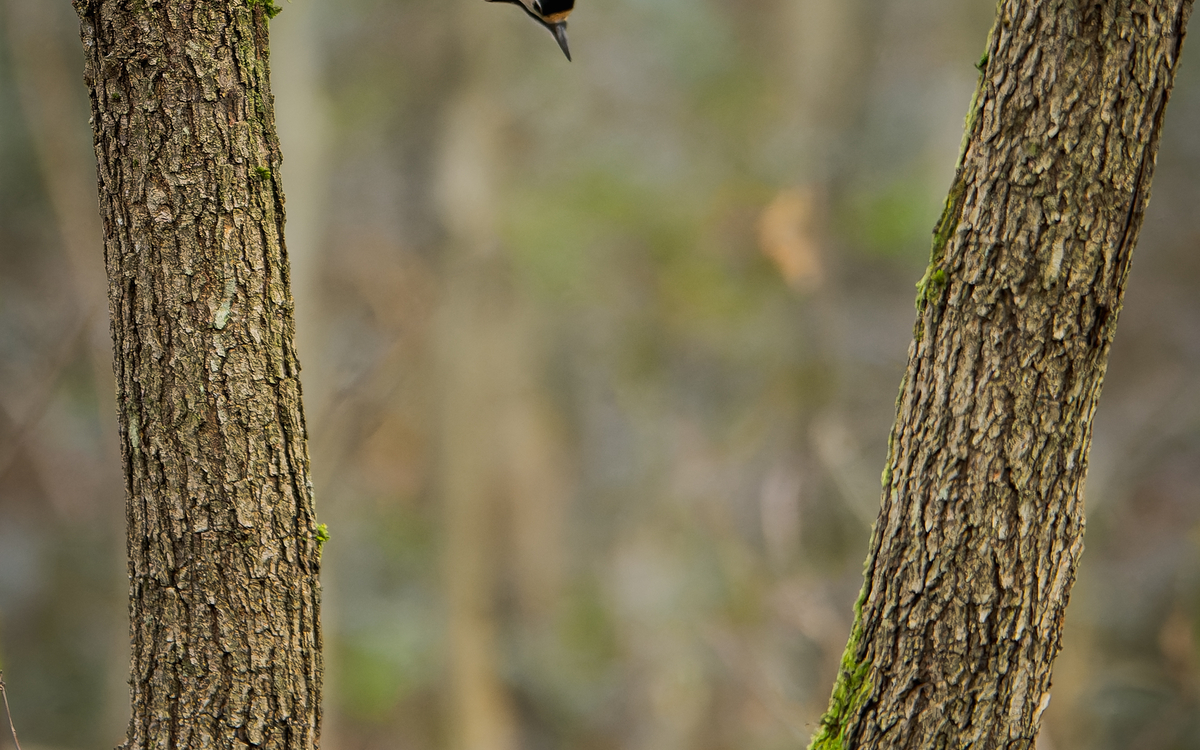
8	711
45	84
16	429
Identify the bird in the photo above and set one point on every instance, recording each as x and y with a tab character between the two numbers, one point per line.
549	13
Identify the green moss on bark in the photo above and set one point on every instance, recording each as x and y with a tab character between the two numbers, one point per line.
270	8
850	691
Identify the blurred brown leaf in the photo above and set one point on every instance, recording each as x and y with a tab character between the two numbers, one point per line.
787	235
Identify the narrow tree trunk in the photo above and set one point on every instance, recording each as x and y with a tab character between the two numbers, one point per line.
474	337
974	553
223	545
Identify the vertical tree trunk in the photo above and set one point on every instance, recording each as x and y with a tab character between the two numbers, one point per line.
223	544
473	340
974	553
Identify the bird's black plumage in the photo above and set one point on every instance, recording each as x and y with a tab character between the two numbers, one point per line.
551	14
554	7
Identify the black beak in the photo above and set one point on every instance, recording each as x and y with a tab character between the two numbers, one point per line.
559	30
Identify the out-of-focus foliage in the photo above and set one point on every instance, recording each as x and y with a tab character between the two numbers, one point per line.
600	360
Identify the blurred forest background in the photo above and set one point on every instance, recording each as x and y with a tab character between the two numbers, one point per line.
600	362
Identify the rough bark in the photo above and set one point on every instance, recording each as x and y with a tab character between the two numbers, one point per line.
981	526
223	544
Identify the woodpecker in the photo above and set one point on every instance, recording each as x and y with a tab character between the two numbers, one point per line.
549	13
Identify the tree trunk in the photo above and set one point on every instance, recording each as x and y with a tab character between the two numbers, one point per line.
474	338
974	552
223	544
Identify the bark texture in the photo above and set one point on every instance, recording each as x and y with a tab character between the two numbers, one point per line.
981	526
223	544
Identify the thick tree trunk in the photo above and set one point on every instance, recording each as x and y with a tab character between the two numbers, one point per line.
223	544
975	549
